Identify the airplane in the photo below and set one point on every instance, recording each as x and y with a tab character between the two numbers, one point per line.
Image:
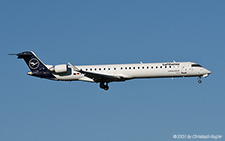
104	74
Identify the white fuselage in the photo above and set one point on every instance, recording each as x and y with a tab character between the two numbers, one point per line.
133	71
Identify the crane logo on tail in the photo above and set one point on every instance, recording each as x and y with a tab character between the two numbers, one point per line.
34	63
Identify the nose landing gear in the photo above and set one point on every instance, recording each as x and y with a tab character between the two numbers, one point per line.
199	79
104	85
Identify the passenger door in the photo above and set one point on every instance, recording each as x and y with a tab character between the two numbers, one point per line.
184	69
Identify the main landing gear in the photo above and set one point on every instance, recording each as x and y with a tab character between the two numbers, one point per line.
199	79
104	85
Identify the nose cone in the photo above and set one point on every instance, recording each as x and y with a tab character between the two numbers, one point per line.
208	71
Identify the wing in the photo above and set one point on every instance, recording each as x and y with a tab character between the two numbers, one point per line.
98	77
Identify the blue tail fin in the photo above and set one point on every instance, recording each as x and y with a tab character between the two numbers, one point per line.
36	66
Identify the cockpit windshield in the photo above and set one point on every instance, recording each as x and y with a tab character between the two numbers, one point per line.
196	65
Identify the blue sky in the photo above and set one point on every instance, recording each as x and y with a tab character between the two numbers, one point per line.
108	32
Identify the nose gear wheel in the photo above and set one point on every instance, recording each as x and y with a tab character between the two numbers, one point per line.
199	80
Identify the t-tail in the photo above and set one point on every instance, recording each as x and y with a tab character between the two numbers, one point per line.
37	67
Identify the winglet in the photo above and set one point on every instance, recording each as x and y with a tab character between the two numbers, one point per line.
73	67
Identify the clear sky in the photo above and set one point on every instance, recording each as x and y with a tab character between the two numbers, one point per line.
108	32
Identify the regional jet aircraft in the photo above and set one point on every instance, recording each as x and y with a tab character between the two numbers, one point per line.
104	74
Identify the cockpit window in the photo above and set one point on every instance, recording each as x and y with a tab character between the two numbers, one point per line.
196	65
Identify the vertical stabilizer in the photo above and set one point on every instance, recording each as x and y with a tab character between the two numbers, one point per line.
36	66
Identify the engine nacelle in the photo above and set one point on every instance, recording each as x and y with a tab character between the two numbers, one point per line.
61	68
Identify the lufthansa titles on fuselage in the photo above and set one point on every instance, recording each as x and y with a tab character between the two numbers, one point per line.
171	64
